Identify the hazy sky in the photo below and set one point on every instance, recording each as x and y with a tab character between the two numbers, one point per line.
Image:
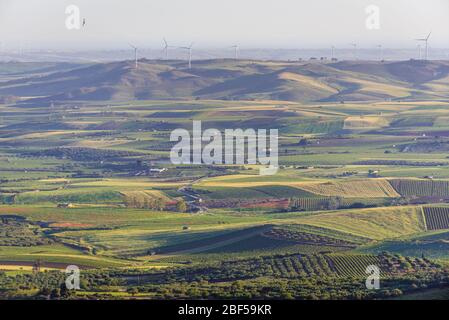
215	23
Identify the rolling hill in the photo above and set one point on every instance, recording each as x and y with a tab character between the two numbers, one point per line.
233	80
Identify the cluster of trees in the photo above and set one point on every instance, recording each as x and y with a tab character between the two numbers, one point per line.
309	288
309	204
83	154
286	266
21	233
181	206
51	284
151	203
329	203
304	237
399	263
237	280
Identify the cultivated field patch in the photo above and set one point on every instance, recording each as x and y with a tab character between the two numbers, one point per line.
373	188
437	218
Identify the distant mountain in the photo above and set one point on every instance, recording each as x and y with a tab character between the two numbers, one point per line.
235	80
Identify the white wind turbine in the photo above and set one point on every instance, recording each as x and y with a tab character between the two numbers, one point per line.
426	40
236	51
135	53
354	45
166	46
381	52
332	52
189	48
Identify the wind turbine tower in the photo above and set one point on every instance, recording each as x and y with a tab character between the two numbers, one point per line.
332	52
166	46
189	48
354	45
236	51
381	52
135	54
426	40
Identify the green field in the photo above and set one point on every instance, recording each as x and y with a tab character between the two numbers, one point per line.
363	179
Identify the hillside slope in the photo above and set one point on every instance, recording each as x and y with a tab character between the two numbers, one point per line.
236	80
